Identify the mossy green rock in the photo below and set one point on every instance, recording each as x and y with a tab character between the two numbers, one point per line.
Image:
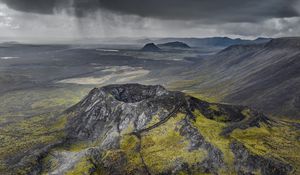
137	129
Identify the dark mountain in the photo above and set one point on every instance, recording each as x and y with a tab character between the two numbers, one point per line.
265	76
261	40
150	47
212	42
284	43
137	129
175	44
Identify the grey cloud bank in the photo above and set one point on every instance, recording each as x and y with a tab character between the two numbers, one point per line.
205	10
150	18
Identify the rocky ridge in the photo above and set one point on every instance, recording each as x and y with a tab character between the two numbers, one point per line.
264	76
138	129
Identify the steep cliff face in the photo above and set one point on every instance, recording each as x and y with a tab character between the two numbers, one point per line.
137	129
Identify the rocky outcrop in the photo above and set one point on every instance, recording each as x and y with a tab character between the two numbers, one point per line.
138	129
246	163
150	47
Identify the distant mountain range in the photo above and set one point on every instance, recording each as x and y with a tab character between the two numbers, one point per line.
151	47
207	42
265	76
221	42
192	42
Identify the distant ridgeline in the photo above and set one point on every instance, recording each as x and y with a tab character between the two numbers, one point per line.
204	42
175	44
264	76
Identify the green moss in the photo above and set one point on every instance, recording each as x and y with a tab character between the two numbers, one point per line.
221	118
130	146
280	141
33	133
211	129
29	119
30	102
214	107
203	96
83	167
24	135
2	119
3	166
183	173
163	147
49	163
113	155
160	149
155	119
78	146
253	139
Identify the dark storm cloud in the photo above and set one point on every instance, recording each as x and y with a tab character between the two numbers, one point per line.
209	11
34	6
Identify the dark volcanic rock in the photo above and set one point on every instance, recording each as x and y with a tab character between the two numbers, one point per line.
245	162
175	44
134	93
138	129
150	47
114	112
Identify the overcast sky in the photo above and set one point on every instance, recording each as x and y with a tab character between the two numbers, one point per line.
50	19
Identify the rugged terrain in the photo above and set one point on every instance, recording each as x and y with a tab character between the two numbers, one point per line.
39	82
138	129
264	76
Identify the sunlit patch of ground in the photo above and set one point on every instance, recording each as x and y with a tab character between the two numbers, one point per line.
118	74
178	55
8	58
107	50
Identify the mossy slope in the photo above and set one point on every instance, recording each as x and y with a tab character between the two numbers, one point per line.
164	132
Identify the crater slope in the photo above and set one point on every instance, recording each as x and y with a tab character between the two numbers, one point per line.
138	129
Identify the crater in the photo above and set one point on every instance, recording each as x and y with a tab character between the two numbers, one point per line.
133	93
